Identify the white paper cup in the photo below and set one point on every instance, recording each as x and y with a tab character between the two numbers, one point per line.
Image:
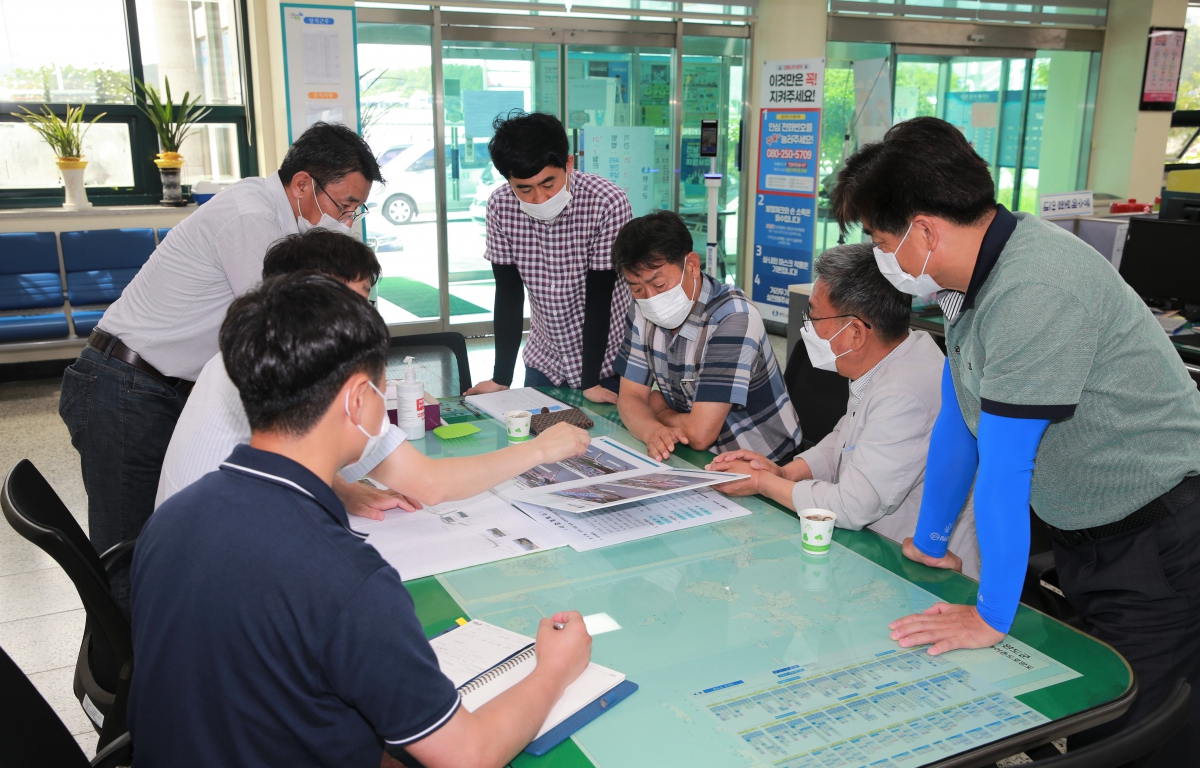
816	534
517	424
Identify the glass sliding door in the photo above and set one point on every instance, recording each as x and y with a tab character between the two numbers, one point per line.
620	119
713	74
396	93
483	81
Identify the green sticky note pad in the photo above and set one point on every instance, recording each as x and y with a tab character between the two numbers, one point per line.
451	431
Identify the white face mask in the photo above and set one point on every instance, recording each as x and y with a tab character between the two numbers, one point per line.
326	221
670	308
372	440
820	351
921	285
549	210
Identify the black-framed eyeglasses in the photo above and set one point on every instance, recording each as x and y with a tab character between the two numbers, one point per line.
805	317
354	213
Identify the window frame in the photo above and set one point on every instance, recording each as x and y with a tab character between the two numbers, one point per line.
147	184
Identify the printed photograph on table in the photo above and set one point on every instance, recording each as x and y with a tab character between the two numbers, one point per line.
591	496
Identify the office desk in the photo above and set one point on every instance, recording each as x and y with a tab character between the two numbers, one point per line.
736	606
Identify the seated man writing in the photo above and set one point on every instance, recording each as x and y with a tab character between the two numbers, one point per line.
870	469
214	422
268	632
703	343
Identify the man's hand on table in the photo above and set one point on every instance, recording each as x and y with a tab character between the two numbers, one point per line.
599	394
949	561
750	458
485	387
745	487
364	500
947	627
561	441
661	442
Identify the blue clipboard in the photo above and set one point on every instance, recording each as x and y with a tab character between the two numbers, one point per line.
563	730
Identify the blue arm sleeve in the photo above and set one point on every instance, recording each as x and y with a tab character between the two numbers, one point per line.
1007	448
949	472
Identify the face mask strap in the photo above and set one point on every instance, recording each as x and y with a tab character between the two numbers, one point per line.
370	384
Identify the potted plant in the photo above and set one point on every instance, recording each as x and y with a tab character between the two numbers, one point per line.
65	137
173	124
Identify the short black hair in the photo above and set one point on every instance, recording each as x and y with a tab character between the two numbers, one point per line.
922	166
649	241
857	287
291	343
524	144
333	253
329	152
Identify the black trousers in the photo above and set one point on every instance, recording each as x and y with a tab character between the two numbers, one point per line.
1139	592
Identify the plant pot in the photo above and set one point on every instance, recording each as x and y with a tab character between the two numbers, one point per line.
172	191
72	169
169	160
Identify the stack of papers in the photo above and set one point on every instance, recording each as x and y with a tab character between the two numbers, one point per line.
496	404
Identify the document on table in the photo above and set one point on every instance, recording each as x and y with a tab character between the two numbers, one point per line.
459	534
638	520
496	404
606	475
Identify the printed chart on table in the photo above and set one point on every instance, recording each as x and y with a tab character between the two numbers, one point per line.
750	652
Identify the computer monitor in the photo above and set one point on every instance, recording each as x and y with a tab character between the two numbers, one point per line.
1161	260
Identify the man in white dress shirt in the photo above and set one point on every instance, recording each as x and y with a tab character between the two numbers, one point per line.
870	469
122	397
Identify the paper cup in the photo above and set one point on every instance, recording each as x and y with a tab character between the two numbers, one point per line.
816	530
517	423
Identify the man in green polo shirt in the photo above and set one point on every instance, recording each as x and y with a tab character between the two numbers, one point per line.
1061	392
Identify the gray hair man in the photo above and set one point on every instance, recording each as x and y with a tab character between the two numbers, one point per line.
870	469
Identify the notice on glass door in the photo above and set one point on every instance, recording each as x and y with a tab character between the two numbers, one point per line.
320	66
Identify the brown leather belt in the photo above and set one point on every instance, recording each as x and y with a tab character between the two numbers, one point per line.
107	344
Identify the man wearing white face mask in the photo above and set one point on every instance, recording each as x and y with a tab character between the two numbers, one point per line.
870	469
550	231
703	343
149	347
1061	394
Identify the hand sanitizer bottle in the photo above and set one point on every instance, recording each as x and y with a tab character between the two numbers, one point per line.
410	398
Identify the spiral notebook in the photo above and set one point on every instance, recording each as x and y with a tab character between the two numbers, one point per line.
483	661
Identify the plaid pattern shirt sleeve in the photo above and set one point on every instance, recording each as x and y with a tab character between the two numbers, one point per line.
728	364
497	248
631	361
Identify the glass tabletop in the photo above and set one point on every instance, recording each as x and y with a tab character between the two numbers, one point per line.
750	652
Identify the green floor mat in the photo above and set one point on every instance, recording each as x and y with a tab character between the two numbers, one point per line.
421	298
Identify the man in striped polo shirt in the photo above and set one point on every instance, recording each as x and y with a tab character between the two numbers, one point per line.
703	343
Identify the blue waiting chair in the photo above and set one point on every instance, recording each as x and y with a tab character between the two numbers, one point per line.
29	279
100	263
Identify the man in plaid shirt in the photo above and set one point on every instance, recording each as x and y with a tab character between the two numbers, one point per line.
551	230
703	343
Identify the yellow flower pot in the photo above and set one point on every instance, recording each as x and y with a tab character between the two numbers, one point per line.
169	160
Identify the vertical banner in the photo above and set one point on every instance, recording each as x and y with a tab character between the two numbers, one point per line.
785	203
320	71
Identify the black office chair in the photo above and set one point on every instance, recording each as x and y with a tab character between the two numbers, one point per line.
34	510
32	736
1134	746
455	342
818	396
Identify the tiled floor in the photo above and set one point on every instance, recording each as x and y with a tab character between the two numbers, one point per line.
41	618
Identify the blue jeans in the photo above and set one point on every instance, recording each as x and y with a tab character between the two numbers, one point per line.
120	419
535	378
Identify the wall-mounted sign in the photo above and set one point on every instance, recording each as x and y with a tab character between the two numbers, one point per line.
1164	60
321	66
789	149
1065	204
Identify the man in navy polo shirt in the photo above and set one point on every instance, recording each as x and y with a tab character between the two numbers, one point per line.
266	630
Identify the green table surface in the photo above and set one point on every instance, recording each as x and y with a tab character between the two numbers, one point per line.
520	589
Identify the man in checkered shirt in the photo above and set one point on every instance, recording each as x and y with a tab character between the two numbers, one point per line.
703	343
551	230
